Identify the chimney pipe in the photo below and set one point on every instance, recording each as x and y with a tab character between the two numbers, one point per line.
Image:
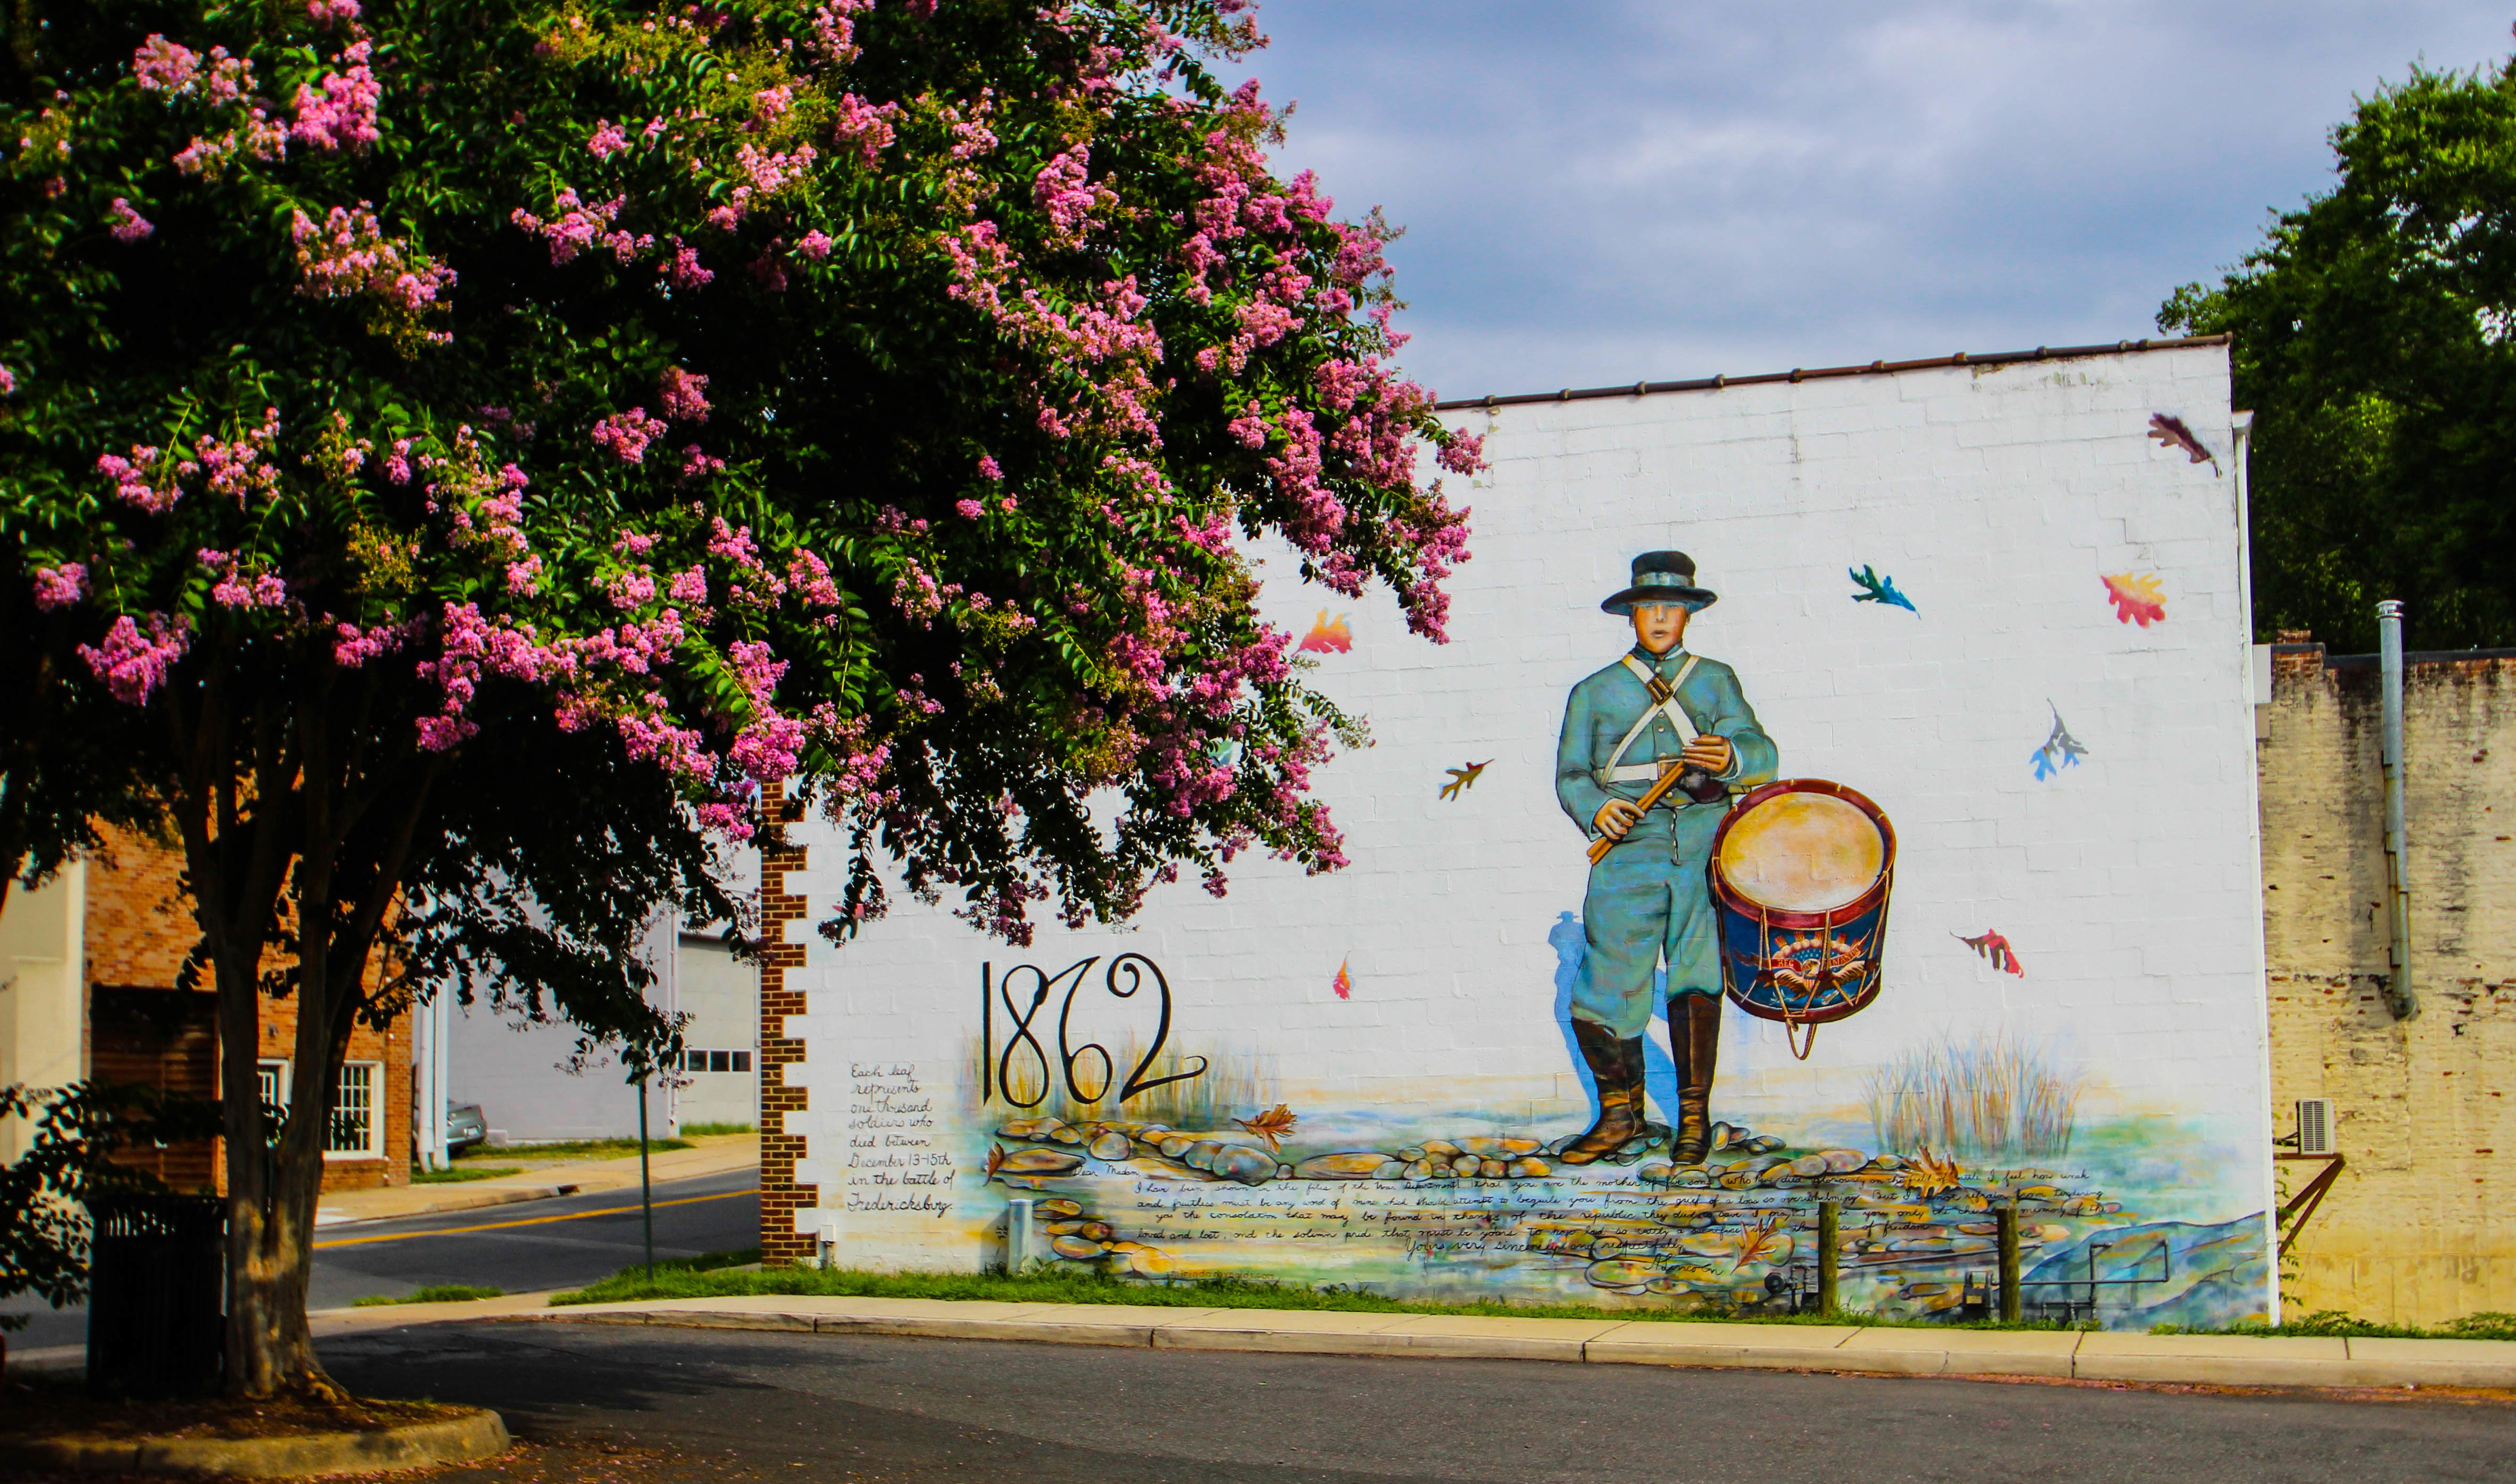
2398	893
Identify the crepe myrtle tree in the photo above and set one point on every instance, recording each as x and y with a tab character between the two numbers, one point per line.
486	442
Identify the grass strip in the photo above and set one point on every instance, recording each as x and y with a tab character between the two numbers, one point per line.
456	1176
597	1149
705	1130
434	1293
719	1275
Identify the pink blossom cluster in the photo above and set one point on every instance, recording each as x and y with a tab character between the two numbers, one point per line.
627	433
59	586
864	127
132	481
814	244
241	468
160	65
353	646
683	268
683	395
129	226
1064	190
325	12
753	584
769	172
7	381
581	226
834	30
809	578
131	665
608	140
348	256
343	115
242	584
698	464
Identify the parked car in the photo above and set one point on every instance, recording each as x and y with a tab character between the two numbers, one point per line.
465	1126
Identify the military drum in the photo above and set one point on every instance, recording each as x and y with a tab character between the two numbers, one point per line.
1800	874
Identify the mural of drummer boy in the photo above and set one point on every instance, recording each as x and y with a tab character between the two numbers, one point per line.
1653	744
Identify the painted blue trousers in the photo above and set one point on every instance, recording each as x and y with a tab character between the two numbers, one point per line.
1650	898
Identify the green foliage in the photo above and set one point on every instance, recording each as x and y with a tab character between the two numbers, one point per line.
77	1131
711	1130
2373	339
434	1293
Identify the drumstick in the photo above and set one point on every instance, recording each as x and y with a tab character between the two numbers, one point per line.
1600	847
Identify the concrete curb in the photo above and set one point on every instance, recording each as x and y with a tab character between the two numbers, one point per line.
452	1440
2067	1355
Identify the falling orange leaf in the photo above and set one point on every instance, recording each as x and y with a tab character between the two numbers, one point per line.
1929	1174
1270	1125
996	1160
1326	636
1344	985
2137	598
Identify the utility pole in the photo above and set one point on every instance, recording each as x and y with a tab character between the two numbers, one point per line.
646	1182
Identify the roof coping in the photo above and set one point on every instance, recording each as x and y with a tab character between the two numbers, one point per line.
1880	368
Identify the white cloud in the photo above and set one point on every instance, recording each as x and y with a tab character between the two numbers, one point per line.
1601	192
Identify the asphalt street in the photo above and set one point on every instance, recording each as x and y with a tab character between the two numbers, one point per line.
661	1406
561	1243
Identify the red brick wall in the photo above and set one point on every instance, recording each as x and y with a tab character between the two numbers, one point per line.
780	1196
138	928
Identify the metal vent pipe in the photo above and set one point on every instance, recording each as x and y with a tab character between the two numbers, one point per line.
2398	892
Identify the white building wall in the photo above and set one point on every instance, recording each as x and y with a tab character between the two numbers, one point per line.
1998	499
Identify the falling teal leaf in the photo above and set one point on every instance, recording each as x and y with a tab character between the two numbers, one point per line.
1879	589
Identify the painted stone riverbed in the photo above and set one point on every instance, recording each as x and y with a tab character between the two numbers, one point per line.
1478	1214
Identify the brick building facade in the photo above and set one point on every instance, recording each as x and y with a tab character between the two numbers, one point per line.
107	939
2417	1228
781	1198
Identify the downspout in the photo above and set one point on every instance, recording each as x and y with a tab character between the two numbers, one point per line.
2241	431
2398	893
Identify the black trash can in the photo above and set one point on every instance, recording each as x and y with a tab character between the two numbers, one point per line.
156	1309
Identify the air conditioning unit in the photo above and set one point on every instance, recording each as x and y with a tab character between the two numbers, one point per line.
2315	1126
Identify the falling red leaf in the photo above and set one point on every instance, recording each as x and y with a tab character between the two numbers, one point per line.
2171	431
1344	985
1326	636
2140	598
1995	950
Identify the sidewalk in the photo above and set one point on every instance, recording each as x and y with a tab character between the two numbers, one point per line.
715	1154
2098	1355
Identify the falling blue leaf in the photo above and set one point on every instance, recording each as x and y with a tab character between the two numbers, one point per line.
1879	589
2059	750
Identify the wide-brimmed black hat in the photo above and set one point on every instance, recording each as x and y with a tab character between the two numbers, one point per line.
1662	576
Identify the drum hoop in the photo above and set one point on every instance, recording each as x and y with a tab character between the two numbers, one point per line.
1859	906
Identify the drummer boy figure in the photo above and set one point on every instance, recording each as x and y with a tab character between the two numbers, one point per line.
1657	709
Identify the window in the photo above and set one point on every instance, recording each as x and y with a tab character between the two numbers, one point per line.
716	1061
357	1116
273	1075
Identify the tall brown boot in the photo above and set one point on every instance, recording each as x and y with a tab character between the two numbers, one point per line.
1693	1044
1616	1066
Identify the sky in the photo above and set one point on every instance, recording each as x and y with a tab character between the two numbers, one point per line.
1597	191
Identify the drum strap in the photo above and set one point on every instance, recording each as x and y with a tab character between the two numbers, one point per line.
1665	693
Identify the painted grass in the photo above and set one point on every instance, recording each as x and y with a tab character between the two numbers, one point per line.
434	1293
457	1175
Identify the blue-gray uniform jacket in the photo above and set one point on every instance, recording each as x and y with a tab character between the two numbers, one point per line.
1650	895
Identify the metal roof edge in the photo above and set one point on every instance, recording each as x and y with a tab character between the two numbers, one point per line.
1804	373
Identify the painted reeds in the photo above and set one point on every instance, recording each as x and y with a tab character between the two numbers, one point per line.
1994	1097
1229	1087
